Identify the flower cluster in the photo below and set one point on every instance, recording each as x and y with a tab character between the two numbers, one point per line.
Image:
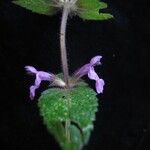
87	69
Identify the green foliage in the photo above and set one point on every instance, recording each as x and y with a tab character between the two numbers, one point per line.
91	4
89	10
78	105
86	9
95	15
37	6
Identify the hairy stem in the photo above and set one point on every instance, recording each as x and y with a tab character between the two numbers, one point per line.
63	45
65	66
67	126
67	122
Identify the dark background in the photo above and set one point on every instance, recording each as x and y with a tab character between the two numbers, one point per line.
123	120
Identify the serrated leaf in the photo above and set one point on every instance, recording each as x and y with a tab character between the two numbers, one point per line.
55	110
95	15
91	4
89	10
37	6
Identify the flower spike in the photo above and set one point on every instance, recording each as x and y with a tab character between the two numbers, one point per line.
88	69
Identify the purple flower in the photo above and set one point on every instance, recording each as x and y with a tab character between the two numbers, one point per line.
88	69
40	76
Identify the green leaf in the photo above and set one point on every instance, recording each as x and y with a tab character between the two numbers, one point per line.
95	15
37	6
79	105
89	10
91	4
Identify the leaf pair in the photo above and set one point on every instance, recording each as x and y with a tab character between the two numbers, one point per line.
85	9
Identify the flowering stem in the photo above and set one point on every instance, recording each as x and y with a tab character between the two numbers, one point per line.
63	45
65	65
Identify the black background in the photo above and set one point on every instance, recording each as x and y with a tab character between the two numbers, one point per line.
123	119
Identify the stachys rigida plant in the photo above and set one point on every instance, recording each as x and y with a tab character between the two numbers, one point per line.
69	105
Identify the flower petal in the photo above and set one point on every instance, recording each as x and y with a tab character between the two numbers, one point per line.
37	81
99	85
45	76
99	82
40	76
32	91
92	74
82	71
30	70
95	60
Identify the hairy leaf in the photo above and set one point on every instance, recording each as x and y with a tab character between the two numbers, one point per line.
37	6
78	105
91	4
95	15
86	9
89	10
